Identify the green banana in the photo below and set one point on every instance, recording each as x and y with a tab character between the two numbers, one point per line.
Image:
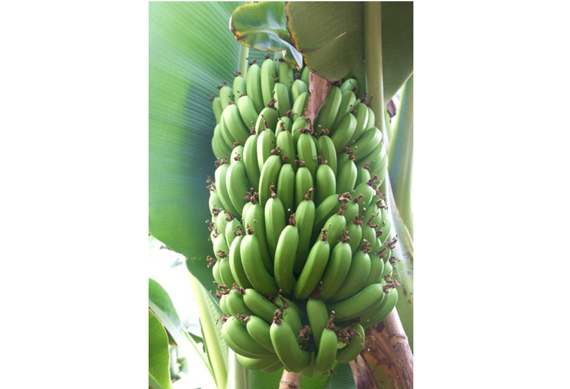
318	316
347	174
219	152
283	124
220	141
314	268
372	318
221	249
274	220
365	189
327	349
269	176
216	273
355	234
265	146
335	226
254	219
351	209
376	269
282	99
285	253
303	182
289	313
236	265
236	305
298	88
326	149
355	344
346	105
284	340
224	305
328	111
361	112
239	86
326	209
286	187
362	175
222	189
267	118
286	145
370	139
325	182
258	329
253	85
250	160
226	273
305	75
387	269
232	120
359	303
239	340
357	274
237	185
259	305
305	218
254	265
285	73
226	95
344	132
257	363
299	106
337	268
371	118
247	111
268	75
236	154
298	124
217	107
307	151
350	84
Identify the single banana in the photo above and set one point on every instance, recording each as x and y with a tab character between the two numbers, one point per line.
325	182
236	265
257	363
328	111
362	175
299	106
351	209
219	150
298	124
286	144
222	189
350	84
344	132
354	346
303	182
297	89
286	187
357	274
376	269
232	120
326	209
268	75
326	149
347	174
346	106
258	329
361	112
237	185
220	141
355	234
247	111
236	154
217	108
289	313
371	118
253	83
335	226
359	303
254	265
365	189
284	340
305	75
259	305
388	269
236	305
274	220
269	176
318	318
265	146
224	305
285	73
239	86
337	268
313	269
250	161
305	218
239	340
370	139
267	118
285	254
254	220
327	348
372	318
307	151
282	98
283	124
226	95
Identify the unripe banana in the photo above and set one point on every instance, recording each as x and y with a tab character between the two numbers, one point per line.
313	269
214	201
283	124
236	154
257	363
224	305
267	118
337	269
388	269
286	187
346	106
258	329
335	226
344	132
372	318
286	145
350	84
355	235
328	111
284	304
376	269
358	304
254	266
268	75
370	139
362	175
305	75
326	149
282	99
361	112
351	209
285	73
239	86
253	81
269	176
220	141
347	174
217	108
355	345
299	106
357	274
303	182
217	148
274	367
236	305
228	138
289	314
236	265
284	340
326	209
226	273
298	124
226	95
259	305
325	183
307	152
231	119
274	220
222	189
364	189
221	249
298	88
238	339
305	218
318	318
237	185
265	145
368	234
285	254
216	273
247	111
250	160
371	118
255	219
327	350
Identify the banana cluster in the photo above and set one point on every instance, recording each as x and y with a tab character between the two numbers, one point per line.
300	232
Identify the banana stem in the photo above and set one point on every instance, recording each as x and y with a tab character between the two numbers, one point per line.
363	377
399	343
289	380
243	63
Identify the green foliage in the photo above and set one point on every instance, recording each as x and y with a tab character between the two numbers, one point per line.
158	356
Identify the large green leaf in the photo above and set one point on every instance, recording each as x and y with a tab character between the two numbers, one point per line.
158	357
397	45
263	26
191	52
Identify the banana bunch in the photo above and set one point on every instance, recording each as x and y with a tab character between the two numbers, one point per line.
300	231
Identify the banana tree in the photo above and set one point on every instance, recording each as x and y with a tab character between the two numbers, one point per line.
192	52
